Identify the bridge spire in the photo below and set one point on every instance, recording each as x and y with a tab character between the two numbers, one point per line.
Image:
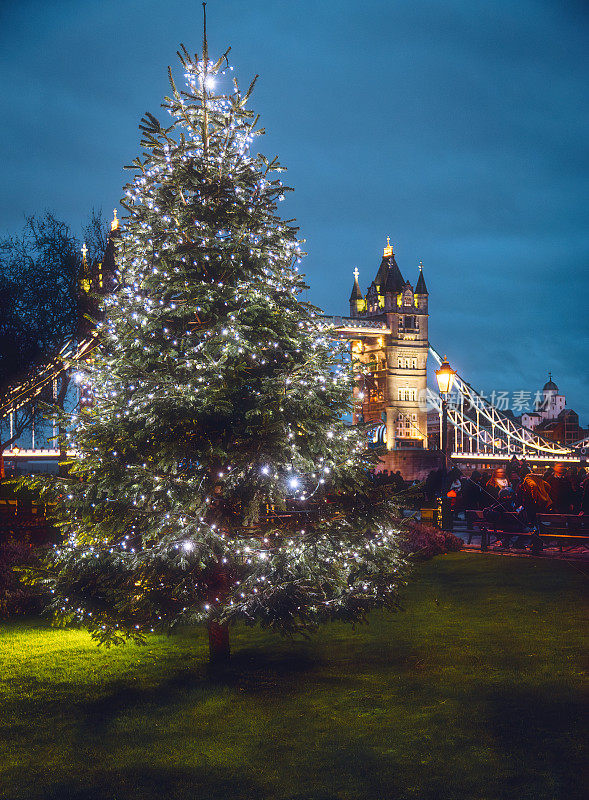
356	291
420	287
356	298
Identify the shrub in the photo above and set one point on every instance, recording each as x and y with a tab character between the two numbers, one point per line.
423	541
16	597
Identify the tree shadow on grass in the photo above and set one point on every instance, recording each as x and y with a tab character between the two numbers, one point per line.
145	782
256	669
343	766
123	695
350	770
251	671
541	736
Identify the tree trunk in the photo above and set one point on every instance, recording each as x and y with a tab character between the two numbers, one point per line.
219	651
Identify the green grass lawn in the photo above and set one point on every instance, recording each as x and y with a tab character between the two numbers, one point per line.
473	691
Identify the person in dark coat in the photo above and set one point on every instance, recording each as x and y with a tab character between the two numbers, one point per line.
508	517
513	470
561	490
397	480
382	477
472	490
433	484
576	477
525	468
471	493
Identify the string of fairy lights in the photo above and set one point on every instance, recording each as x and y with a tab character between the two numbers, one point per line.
205	300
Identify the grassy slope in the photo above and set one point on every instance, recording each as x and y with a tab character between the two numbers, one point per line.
474	691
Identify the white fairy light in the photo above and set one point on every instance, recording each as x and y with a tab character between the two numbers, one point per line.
204	304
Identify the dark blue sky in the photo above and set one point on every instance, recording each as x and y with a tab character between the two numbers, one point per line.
458	128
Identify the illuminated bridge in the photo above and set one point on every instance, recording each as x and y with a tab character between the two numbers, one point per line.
479	431
387	332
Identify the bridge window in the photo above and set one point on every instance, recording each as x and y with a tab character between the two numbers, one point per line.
407	363
406	394
408	323
407	426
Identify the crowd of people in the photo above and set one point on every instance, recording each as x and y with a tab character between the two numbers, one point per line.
514	487
513	493
386	478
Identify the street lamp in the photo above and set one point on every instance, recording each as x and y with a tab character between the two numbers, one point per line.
445	378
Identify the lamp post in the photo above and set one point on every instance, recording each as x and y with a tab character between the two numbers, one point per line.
445	378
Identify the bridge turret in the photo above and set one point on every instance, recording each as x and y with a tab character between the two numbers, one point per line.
392	359
386	285
357	302
85	275
105	278
97	277
84	300
421	293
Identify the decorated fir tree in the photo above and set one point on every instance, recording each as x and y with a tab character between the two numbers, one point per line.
215	479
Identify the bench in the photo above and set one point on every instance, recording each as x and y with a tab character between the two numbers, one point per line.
475	518
564	527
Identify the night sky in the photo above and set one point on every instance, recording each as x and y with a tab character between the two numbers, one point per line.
458	128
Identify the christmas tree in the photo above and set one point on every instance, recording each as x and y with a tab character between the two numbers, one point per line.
215	480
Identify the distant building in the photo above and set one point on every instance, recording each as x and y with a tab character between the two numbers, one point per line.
565	429
547	406
551	419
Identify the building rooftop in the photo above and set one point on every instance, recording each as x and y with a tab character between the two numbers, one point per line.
550	386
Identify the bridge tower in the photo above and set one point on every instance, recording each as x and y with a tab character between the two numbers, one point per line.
392	364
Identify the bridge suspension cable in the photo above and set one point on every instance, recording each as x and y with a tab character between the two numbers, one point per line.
22	393
485	426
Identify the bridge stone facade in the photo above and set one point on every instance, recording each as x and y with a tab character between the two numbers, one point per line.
388	330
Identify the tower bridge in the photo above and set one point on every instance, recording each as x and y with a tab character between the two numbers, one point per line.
387	330
388	334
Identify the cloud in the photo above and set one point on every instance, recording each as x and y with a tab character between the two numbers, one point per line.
457	128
